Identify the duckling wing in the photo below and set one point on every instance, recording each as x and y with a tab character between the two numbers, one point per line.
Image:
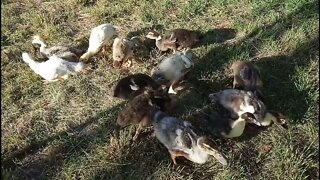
174	133
258	107
169	68
246	73
216	123
55	50
100	35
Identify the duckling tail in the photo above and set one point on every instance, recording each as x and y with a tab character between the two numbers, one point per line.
208	145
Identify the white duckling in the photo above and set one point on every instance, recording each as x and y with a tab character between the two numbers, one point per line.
53	69
238	102
100	36
64	52
173	68
181	139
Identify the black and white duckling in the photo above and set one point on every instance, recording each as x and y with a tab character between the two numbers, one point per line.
139	109
182	139
122	51
100	36
247	77
238	102
183	38
53	69
162	43
65	52
226	127
173	68
133	85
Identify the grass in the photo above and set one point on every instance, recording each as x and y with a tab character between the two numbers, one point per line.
64	130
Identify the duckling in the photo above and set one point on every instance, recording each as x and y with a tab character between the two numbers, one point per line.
182	139
142	46
53	69
100	36
122	51
238	102
247	77
133	85
183	38
139	109
69	53
174	68
226	127
162	43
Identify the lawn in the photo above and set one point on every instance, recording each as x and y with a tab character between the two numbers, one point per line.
65	130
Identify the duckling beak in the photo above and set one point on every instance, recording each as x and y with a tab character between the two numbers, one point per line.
250	118
257	123
208	146
219	157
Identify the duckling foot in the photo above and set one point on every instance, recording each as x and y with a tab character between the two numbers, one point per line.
53	80
136	137
281	119
176	153
128	64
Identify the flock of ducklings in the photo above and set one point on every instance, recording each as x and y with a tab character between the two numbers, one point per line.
150	96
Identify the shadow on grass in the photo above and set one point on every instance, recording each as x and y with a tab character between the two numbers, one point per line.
218	35
280	90
72	144
143	157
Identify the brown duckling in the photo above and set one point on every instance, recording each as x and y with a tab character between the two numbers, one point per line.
247	77
162	43
183	38
133	85
140	108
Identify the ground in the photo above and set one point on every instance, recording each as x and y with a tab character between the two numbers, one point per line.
65	130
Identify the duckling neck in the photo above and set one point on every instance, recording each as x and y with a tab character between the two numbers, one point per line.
86	55
42	46
237	128
268	119
159	44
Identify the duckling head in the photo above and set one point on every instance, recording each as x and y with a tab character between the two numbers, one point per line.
38	40
153	35
158	76
159	98
277	118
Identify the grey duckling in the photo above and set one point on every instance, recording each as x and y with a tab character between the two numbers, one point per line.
182	139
